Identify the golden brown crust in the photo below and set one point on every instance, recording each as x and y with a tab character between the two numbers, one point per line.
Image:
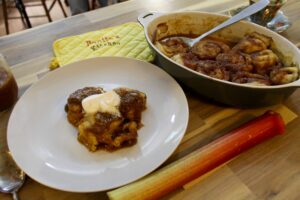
247	77
189	60
235	62
74	107
133	102
213	69
264	61
209	49
80	94
253	42
172	46
284	75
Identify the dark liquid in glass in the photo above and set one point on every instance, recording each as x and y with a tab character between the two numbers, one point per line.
8	89
267	14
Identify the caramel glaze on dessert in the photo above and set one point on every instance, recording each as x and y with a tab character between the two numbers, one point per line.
102	130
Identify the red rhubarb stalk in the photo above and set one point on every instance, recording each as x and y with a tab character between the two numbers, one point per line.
203	160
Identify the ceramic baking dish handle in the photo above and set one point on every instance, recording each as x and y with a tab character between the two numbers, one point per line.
145	18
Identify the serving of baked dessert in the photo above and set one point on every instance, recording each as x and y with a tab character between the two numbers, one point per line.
252	60
106	119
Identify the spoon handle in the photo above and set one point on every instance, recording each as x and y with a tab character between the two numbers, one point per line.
15	196
241	15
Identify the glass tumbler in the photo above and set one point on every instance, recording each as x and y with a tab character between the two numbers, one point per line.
264	16
8	86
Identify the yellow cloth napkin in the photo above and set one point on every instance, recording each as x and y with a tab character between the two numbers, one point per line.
126	40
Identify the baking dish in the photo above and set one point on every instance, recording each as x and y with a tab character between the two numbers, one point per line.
229	93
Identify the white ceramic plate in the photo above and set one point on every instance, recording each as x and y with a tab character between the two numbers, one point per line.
45	145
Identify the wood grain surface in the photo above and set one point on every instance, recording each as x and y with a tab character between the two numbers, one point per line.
271	170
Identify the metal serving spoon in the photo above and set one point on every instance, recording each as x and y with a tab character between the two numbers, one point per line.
11	176
241	15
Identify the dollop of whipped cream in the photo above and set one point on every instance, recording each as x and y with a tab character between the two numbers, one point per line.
107	102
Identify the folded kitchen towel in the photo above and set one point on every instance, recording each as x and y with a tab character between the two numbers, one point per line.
126	40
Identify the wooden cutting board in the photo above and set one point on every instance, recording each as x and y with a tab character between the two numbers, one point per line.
241	178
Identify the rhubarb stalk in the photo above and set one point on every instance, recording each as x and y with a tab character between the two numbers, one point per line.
203	160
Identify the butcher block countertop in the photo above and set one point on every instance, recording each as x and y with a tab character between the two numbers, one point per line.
270	170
